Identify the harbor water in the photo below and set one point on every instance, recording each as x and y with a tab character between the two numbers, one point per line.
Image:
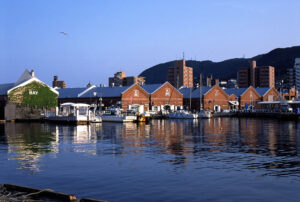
219	159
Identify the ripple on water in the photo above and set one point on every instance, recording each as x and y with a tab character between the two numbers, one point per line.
221	159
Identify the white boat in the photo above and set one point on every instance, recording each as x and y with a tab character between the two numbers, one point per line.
115	115
76	113
182	115
205	114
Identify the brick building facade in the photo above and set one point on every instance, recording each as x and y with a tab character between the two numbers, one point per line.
135	95
163	95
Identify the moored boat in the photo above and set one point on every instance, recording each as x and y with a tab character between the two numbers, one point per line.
182	115
74	113
115	115
205	114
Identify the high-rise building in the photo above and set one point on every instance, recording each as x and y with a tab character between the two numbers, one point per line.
232	83
117	80
58	84
120	79
290	78
180	75
297	73
265	76
130	80
209	80
256	76
243	77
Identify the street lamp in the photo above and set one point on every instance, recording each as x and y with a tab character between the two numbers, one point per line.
100	104
95	94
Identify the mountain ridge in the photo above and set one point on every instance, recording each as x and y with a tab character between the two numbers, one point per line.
280	58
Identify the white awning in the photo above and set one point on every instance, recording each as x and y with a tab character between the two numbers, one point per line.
74	104
234	102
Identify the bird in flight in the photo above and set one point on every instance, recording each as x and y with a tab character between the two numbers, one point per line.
64	33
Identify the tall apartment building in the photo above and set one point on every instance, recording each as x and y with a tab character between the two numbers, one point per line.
129	80
117	80
120	79
297	73
209	81
58	84
180	75
256	76
290	78
266	76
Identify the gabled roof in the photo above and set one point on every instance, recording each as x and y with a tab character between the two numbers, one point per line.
204	89
24	77
235	91
105	92
262	91
31	80
5	87
69	92
186	92
151	88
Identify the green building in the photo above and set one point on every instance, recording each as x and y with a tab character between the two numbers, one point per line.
27	98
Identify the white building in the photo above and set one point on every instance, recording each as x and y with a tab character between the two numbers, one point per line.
297	73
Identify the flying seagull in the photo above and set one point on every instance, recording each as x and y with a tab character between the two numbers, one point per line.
64	33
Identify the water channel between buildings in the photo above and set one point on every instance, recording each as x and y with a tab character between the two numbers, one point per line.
221	159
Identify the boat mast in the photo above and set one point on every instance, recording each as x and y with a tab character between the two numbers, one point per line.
177	89
190	99
200	98
191	94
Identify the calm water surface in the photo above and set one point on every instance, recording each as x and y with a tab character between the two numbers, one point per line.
222	159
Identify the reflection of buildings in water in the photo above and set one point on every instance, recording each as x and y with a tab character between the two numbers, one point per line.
272	137
83	137
174	137
160	136
219	132
297	134
27	142
169	135
249	131
283	139
265	135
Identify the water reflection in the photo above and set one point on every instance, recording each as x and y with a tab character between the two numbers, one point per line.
27	143
239	143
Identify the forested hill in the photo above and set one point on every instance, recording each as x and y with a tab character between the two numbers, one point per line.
280	58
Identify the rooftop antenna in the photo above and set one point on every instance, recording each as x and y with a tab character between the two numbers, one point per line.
183	55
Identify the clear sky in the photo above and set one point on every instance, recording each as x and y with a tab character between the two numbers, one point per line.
104	37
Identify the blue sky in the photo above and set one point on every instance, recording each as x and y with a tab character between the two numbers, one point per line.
132	35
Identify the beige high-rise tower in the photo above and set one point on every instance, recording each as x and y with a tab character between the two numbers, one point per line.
180	75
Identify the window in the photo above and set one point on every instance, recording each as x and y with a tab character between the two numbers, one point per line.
216	93
167	92
270	98
136	93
